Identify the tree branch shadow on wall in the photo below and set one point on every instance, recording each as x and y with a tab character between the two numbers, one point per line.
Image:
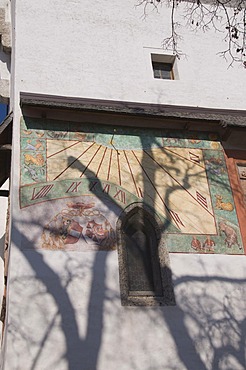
216	325
83	353
77	348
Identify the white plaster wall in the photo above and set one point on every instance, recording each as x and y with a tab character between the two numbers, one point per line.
64	308
65	313
101	49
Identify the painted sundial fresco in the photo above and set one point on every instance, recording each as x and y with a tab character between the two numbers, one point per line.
76	179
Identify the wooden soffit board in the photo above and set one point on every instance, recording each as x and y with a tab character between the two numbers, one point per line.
223	117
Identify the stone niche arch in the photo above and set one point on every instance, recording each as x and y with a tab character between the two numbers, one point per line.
144	267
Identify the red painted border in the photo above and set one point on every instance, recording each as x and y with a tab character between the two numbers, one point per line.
234	157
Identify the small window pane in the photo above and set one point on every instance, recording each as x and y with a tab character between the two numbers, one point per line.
162	70
157	73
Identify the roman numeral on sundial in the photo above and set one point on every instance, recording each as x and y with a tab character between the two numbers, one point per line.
106	188
41	192
176	218
194	157
120	196
140	192
73	188
201	199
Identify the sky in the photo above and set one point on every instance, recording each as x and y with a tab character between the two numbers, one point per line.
3	112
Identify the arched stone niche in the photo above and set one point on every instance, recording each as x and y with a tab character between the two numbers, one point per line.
144	267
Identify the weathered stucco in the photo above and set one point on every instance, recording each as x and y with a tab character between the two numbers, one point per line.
64	307
102	50
65	313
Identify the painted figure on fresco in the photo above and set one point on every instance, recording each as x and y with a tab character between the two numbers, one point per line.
32	172
37	146
37	160
215	166
208	245
196	244
34	165
228	206
230	233
80	222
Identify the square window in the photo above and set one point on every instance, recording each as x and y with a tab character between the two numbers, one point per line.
163	70
164	66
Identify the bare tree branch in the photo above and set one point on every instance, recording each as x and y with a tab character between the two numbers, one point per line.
225	16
